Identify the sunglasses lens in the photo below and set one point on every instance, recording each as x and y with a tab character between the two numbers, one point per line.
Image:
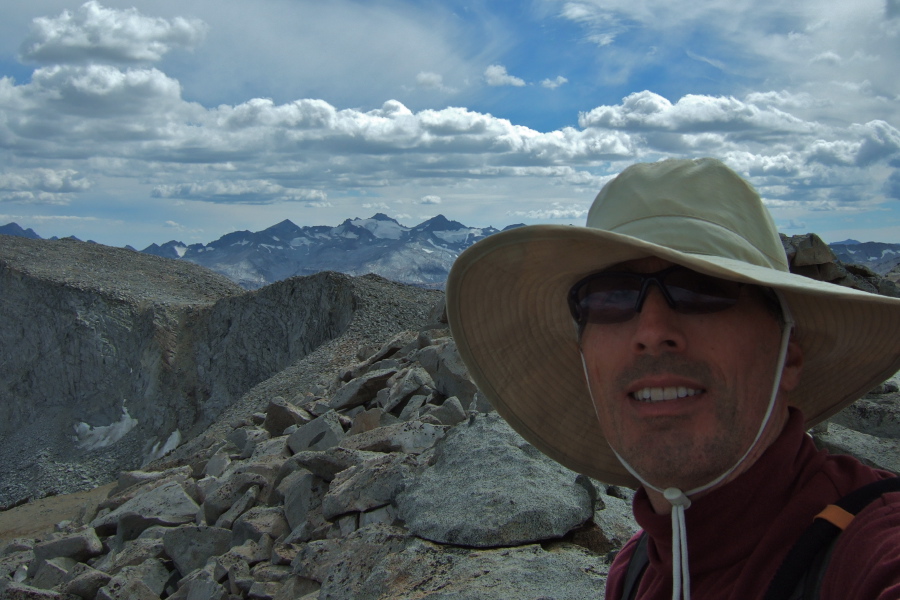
609	298
694	293
614	297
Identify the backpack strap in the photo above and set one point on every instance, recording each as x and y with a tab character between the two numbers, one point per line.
803	569
637	564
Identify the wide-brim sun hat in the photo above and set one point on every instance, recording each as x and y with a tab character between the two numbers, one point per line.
508	313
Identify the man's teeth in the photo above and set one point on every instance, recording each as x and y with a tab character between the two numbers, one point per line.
657	394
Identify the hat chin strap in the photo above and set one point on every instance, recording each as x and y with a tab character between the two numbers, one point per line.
680	501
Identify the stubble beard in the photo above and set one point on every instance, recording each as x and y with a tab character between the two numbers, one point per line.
673	452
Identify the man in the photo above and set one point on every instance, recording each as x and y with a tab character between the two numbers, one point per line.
666	346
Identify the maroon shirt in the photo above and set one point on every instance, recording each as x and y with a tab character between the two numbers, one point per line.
739	534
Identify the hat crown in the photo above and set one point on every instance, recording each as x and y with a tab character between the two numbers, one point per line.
694	206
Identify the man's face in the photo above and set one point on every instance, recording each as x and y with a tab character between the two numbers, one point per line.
720	368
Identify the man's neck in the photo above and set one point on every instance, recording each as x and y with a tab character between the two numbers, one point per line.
773	430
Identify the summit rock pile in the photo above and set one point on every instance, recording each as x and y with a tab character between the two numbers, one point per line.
397	482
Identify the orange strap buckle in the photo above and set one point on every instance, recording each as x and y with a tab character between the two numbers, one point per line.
836	515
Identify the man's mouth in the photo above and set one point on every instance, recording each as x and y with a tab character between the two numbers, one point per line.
659	394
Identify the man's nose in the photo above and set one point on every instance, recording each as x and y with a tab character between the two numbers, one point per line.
658	325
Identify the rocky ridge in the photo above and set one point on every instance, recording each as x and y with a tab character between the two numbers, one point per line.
111	357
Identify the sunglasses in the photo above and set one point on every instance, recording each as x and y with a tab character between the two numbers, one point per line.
615	297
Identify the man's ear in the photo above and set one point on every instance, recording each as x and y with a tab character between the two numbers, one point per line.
793	367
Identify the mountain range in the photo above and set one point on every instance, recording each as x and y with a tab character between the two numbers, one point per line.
420	255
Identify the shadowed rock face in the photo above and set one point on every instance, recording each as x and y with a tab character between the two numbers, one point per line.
96	342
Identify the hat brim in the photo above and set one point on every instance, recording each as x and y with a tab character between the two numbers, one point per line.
506	304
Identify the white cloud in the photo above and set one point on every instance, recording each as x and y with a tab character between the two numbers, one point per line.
42	186
430	199
433	81
557	211
496	75
692	113
819	134
239	191
376	206
95	33
554	83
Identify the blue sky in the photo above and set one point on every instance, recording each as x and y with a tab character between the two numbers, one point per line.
137	122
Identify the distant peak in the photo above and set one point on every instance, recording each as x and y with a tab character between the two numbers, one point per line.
382	217
849	242
16	230
440	223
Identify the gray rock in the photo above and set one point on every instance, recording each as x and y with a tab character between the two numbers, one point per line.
565	573
327	464
281	414
360	390
303	492
190	546
165	505
371	419
145	581
411	409
229	491
384	562
15	562
450	413
411	437
881	453
217	464
257	522
370	485
488	487
132	553
616	521
11	590
876	415
451	378
85	581
244	503
80	546
319	434
52	572
129	479
406	383
200	585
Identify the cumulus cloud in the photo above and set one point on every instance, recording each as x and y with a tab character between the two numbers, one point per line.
42	186
93	33
691	113
496	75
552	84
880	141
87	121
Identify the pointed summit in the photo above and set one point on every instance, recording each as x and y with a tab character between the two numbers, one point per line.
439	223
16	230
